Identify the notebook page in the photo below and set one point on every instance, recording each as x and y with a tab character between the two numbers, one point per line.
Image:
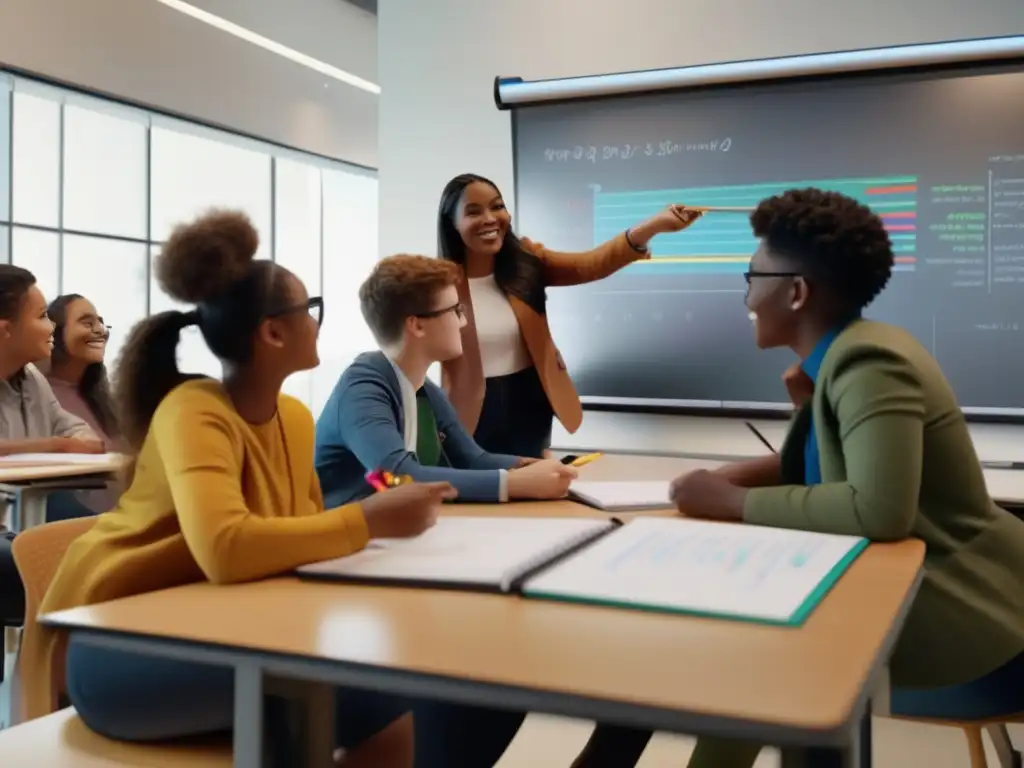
634	494
696	566
462	550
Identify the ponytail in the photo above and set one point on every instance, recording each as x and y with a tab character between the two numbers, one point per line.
147	370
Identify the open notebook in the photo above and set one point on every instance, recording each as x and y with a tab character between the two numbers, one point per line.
621	496
672	565
483	553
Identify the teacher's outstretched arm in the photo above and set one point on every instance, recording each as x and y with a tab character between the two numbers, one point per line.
563	269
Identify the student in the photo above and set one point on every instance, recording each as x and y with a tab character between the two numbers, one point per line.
384	414
223	489
511	378
880	450
31	418
78	377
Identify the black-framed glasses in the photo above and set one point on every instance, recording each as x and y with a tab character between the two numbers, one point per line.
459	309
748	276
314	306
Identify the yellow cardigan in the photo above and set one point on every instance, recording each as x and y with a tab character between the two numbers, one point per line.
212	498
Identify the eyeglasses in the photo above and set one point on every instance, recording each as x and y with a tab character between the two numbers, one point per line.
458	309
315	307
748	276
95	324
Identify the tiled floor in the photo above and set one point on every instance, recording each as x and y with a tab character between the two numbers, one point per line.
547	742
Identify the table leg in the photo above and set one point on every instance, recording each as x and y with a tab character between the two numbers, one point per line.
29	509
857	754
248	724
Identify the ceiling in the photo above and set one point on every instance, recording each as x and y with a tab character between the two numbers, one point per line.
366	5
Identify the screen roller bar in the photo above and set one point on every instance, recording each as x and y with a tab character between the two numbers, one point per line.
514	91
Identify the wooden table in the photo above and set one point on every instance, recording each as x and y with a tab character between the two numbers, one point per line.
804	689
28	485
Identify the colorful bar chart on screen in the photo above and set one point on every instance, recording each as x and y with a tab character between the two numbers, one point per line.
722	243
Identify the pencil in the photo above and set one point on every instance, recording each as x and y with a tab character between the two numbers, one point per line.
759	436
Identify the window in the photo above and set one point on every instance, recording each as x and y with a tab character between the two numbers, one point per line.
36	160
39	253
297	225
89	189
104	173
88	264
5	147
193	173
350	251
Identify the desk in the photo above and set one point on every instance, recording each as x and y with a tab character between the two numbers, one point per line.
1005	486
28	485
798	688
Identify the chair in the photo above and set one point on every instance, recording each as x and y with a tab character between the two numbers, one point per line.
37	554
62	740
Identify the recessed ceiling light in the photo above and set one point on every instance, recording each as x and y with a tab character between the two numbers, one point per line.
267	44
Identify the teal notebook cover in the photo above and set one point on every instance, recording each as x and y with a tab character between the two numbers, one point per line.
795	619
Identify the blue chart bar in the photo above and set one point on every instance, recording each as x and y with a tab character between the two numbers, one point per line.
722	243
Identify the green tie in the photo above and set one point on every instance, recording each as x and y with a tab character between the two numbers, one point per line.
428	442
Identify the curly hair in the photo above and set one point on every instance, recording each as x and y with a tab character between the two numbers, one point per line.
94	387
831	238
209	262
400	287
517	272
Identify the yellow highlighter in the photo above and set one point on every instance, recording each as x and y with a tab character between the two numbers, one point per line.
582	461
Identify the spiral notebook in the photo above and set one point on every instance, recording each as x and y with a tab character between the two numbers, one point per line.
670	565
480	553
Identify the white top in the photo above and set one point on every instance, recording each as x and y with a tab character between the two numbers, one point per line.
502	349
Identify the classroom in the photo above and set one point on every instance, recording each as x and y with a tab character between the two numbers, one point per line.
394	383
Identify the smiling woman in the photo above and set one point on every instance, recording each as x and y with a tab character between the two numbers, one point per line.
77	371
78	377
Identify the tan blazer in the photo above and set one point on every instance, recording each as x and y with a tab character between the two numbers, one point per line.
463	378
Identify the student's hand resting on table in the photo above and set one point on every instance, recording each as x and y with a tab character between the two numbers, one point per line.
405	511
707	494
798	385
544	479
75	445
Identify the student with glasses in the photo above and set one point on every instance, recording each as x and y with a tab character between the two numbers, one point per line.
223	489
77	374
879	448
385	414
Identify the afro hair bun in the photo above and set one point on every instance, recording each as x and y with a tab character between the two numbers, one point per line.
203	258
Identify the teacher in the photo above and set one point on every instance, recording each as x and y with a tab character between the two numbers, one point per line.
511	378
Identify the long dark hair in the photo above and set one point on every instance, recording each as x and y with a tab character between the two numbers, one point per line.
94	386
208	262
516	271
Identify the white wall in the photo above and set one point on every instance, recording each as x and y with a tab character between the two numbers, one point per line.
437	61
143	51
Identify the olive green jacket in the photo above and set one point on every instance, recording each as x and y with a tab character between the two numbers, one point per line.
897	461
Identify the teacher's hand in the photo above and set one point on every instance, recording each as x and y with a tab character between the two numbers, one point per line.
674	218
707	494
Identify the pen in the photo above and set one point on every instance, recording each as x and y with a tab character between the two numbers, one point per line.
719	208
1002	464
584	460
376	480
759	436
